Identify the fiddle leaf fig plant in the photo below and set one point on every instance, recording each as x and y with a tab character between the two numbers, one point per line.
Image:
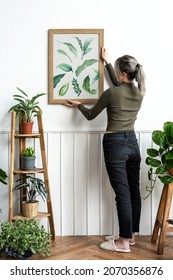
160	159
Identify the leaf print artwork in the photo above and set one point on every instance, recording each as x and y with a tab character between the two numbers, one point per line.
75	64
57	79
64	53
86	86
63	89
85	64
65	67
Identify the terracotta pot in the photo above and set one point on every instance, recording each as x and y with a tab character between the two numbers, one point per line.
170	170
26	127
30	210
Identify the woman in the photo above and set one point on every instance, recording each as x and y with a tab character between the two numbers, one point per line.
121	151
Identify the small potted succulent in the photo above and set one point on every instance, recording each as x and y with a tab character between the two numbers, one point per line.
28	159
22	238
32	187
26	109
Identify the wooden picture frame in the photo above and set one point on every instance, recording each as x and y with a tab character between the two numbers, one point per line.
75	65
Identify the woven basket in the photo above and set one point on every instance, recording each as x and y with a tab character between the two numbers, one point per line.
30	210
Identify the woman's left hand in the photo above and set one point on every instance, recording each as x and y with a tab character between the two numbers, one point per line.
72	103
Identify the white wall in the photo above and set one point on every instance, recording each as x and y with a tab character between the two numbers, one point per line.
137	27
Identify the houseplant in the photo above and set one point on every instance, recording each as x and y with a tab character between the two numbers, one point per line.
22	238
160	159
33	187
26	109
28	159
3	177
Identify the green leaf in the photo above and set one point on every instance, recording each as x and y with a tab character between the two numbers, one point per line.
169	163
76	86
63	89
152	162
161	170
86	86
65	67
168	129
167	179
71	48
79	42
96	77
85	64
160	139
57	79
64	53
152	152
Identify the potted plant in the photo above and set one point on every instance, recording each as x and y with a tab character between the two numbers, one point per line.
28	159
33	186
22	238
160	159
3	177
26	109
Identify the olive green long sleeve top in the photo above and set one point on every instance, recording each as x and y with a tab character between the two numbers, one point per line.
122	102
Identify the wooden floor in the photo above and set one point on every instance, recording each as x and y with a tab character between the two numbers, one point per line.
87	248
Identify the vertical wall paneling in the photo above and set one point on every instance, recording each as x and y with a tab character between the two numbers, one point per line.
82	198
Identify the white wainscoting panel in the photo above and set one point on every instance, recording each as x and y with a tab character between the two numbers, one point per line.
82	198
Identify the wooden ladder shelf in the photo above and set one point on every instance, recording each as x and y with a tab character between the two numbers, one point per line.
162	219
44	170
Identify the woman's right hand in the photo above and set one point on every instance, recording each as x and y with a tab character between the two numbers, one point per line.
104	55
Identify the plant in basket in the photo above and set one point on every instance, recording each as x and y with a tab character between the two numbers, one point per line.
32	187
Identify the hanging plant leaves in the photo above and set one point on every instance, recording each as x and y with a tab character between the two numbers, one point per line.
86	86
63	89
65	67
57	79
85	64
64	53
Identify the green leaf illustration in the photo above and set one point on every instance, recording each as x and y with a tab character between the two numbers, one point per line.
64	53
57	79
86	44
85	64
65	67
86	86
71	47
96	77
79	42
63	89
76	86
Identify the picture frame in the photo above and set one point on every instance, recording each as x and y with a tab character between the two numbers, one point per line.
75	67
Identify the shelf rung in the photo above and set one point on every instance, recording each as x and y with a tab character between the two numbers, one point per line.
39	216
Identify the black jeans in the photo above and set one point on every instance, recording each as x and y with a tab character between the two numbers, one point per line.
122	159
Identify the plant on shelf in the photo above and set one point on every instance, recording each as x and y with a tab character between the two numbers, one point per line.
3	177
34	187
160	159
22	238
26	108
28	159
